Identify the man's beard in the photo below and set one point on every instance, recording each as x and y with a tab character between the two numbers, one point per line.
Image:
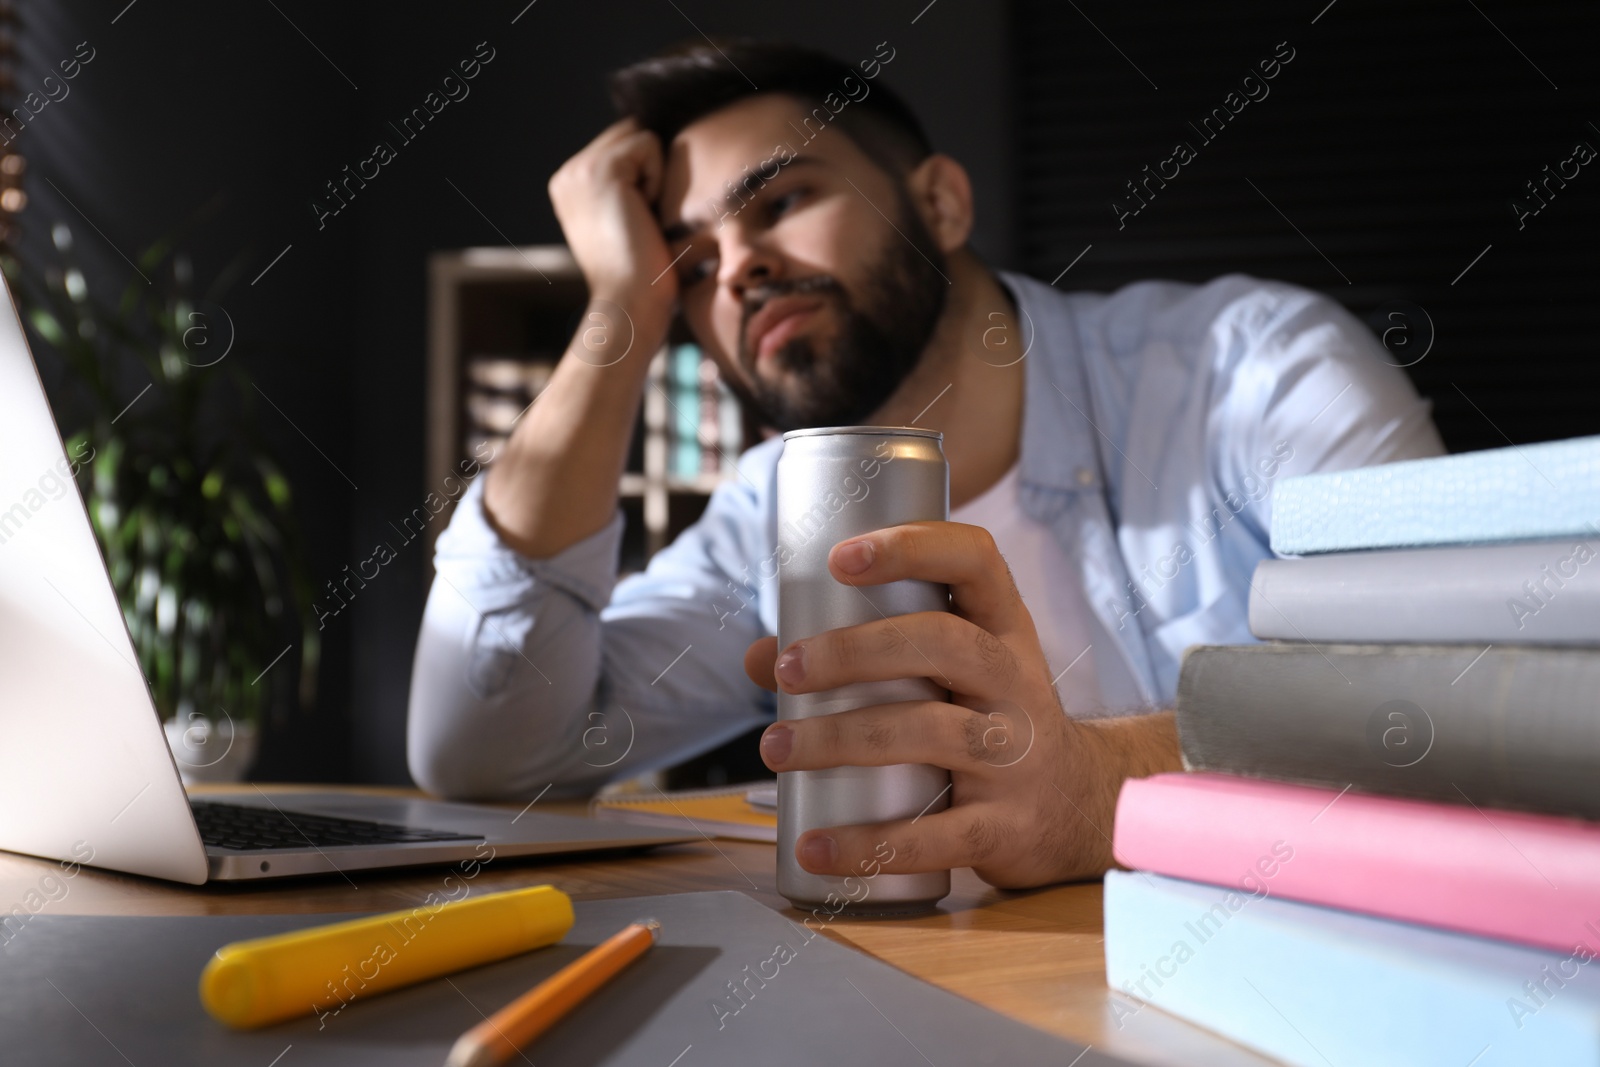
878	344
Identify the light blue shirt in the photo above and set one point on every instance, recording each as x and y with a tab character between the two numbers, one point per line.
1156	420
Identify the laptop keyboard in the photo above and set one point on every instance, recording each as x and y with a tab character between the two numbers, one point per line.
241	828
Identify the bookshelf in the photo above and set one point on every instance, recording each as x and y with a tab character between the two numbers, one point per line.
499	319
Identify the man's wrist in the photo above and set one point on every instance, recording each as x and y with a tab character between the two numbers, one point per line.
620	322
1114	750
1140	745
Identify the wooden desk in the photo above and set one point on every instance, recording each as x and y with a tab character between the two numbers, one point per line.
1035	956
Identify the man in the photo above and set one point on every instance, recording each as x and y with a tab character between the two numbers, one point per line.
1116	451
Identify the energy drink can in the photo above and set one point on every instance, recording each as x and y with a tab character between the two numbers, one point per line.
835	483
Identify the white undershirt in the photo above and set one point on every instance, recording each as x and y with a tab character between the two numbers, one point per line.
1092	677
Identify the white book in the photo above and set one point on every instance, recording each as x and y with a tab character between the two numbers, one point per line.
1536	592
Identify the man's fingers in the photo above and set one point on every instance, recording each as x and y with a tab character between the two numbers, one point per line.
758	659
617	131
955	653
635	159
958	555
914	731
966	836
644	152
583	165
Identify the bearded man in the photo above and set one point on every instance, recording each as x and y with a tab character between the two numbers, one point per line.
1111	459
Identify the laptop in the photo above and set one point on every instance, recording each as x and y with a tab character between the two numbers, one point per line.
87	775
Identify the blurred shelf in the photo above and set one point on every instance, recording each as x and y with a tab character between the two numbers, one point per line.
703	484
499	320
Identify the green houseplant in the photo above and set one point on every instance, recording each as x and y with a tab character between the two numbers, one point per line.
192	512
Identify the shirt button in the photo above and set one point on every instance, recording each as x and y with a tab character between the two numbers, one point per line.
1085	476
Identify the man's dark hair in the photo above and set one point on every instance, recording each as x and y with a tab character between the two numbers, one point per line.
675	88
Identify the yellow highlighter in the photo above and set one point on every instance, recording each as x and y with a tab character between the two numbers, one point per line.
322	969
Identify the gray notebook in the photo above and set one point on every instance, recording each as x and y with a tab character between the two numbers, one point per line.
91	990
1503	726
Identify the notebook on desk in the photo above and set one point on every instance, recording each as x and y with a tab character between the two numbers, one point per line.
730	982
741	812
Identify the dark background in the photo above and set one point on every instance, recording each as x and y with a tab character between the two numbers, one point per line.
1390	148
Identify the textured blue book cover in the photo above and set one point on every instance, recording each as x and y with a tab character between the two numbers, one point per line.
1314	986
1523	493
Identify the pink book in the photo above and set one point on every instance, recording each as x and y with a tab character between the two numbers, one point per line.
1529	878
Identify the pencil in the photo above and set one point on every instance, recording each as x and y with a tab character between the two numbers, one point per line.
509	1030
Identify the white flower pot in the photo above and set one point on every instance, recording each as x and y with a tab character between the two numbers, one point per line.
211	750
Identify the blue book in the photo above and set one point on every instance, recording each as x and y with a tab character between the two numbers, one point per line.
683	385
1525	493
1314	986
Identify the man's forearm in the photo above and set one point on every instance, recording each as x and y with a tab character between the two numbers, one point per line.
556	481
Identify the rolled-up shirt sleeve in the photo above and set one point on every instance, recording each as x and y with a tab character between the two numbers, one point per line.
549	674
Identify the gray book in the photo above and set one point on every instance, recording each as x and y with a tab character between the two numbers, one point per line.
730	982
1498	727
1540	592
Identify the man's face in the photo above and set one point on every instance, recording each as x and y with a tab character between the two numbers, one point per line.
812	281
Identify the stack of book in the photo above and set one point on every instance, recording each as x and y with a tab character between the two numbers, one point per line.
1391	850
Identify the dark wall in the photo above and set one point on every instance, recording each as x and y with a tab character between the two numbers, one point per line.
1378	165
188	105
264	104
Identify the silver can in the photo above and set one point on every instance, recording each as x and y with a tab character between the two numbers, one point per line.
835	483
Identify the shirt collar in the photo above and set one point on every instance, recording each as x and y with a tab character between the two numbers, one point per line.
1059	450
